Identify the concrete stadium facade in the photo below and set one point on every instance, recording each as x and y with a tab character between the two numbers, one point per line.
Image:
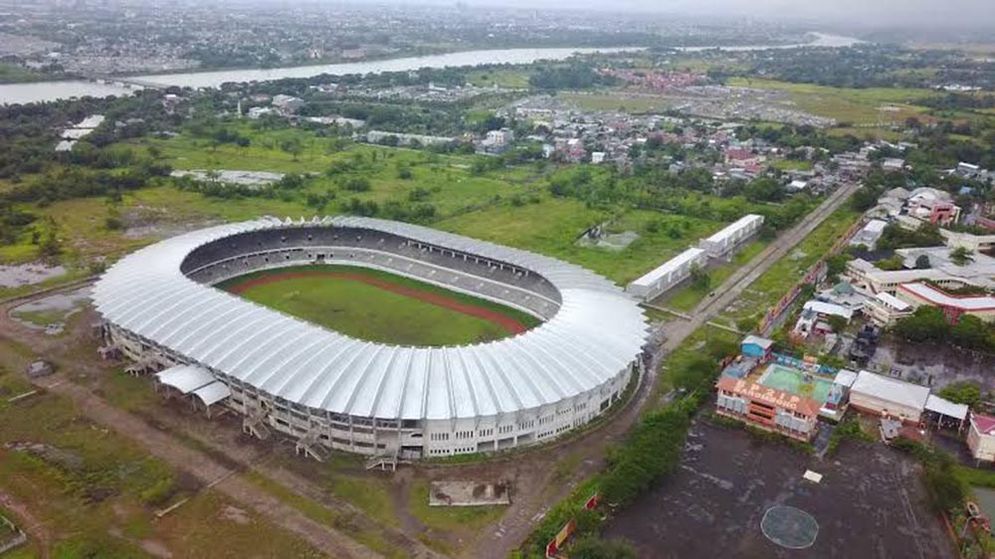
327	390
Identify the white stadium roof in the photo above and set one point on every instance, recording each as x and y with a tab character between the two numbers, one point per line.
597	332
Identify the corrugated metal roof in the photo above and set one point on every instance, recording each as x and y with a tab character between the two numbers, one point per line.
596	333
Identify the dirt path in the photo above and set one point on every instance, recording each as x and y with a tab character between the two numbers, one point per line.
220	455
209	471
28	523
507	323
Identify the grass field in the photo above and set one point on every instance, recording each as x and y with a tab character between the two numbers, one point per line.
618	101
857	106
356	308
688	297
94	492
763	293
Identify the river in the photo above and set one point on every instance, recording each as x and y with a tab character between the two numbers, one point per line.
51	91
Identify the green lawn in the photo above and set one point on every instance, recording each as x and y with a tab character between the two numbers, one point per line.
369	312
509	78
688	297
763	293
619	101
860	106
95	492
551	226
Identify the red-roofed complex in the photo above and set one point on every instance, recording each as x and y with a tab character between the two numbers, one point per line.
767	408
953	306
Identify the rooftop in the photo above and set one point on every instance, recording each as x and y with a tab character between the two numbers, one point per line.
891	390
942	299
675	263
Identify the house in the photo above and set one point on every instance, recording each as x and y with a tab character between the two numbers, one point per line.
981	437
756	347
797	185
869	235
892	164
933	206
884	309
815	315
498	141
287	104
888	397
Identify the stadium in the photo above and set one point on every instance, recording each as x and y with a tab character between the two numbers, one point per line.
181	309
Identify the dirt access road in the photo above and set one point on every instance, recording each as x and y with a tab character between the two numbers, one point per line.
225	476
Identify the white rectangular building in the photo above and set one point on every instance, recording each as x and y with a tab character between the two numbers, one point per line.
732	236
869	235
672	272
884	309
886	396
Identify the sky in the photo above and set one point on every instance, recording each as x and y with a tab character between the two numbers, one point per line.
942	13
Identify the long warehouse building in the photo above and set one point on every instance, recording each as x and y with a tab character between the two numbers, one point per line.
670	273
732	236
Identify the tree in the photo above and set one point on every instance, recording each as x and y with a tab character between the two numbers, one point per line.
964	392
49	245
292	146
700	278
922	262
961	256
926	324
837	323
971	332
835	265
592	547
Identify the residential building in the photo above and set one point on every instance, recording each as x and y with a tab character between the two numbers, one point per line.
732	236
869	235
981	437
884	309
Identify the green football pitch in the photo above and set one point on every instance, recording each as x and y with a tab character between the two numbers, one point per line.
378	306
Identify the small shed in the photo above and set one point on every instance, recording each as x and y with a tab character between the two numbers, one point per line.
40	368
195	381
946	413
755	346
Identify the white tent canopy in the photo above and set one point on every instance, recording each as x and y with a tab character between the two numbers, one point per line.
212	393
186	378
946	408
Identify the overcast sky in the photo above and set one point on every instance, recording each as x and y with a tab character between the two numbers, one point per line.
943	13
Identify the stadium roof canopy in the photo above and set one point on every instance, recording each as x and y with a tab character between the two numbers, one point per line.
597	332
